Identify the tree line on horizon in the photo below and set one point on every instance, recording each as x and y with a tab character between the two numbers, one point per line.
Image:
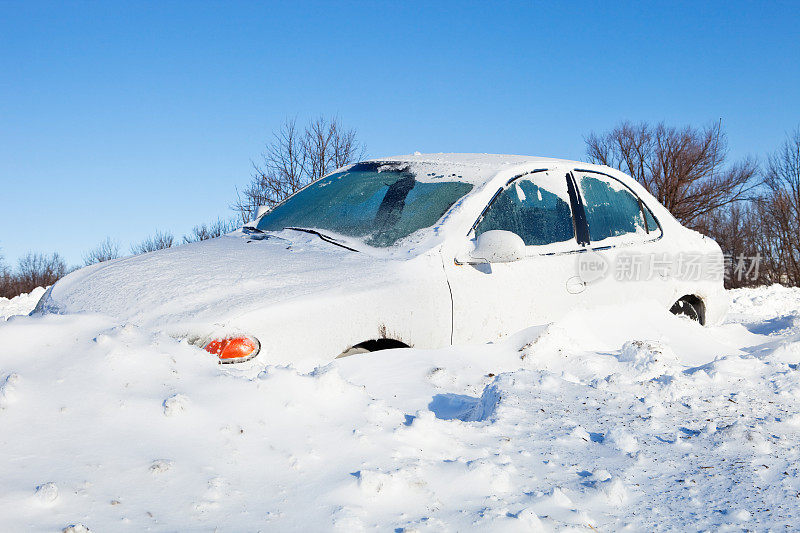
750	209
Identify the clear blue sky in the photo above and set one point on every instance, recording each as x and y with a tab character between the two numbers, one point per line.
121	119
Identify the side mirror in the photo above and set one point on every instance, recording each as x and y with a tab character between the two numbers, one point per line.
261	210
498	246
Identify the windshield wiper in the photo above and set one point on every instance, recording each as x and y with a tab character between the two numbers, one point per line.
251	229
323	237
255	234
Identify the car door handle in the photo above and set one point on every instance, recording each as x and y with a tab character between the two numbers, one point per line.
575	285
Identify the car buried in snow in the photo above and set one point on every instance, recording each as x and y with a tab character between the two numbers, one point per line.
411	251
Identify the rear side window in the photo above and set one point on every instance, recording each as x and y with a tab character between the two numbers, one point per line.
612	210
539	213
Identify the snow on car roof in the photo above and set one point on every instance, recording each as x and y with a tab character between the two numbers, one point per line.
476	168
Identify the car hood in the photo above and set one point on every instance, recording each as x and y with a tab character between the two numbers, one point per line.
213	281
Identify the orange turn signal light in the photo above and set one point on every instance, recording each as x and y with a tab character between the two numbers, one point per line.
233	349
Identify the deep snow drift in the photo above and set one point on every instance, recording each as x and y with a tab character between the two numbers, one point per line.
608	419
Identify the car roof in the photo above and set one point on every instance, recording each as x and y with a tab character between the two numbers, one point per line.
475	168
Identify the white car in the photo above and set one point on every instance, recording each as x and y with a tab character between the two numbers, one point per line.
419	250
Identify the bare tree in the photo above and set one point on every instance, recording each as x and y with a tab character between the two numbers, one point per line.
158	241
215	229
293	159
683	168
344	147
5	279
738	232
779	210
327	147
765	229
105	251
39	270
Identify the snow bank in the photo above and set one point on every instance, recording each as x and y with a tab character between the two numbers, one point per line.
769	310
613	419
20	305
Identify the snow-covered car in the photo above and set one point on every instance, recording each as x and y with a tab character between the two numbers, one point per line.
419	250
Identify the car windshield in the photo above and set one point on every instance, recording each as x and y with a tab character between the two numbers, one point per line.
378	203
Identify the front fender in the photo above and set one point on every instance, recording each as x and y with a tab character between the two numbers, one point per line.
414	309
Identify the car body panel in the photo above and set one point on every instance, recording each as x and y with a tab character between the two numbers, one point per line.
308	300
298	287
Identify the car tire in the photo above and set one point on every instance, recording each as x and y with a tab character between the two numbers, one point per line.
684	308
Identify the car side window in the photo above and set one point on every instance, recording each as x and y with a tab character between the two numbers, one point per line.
538	215
612	210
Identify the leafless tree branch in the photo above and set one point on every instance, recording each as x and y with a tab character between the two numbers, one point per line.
295	158
105	251
158	241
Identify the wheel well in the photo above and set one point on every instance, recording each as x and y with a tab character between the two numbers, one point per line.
373	345
698	304
376	345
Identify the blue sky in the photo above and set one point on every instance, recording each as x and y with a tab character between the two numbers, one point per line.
119	120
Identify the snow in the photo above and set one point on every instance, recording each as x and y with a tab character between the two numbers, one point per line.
476	168
624	418
20	305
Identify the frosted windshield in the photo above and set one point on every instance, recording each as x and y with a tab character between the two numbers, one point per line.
377	203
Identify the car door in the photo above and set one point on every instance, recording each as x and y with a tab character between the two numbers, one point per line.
624	253
493	300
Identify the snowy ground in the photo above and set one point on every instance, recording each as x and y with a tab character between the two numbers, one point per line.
618	419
